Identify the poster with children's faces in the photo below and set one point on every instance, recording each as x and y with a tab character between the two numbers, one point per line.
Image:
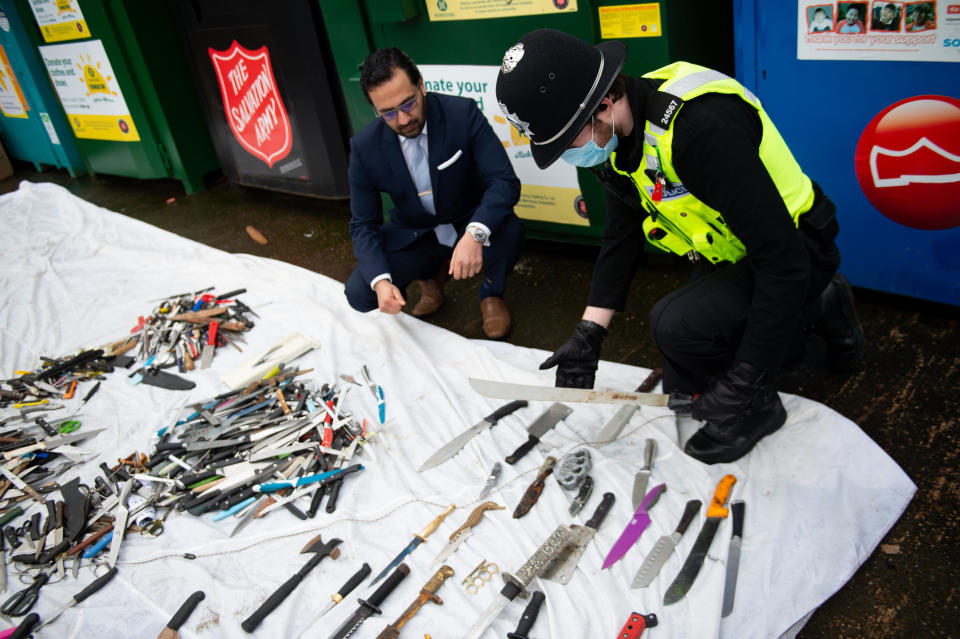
926	31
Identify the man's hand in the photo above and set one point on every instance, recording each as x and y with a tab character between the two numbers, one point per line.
467	258
389	299
576	360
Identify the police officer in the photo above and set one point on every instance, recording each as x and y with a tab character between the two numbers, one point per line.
691	162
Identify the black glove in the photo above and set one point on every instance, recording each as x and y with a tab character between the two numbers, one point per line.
576	360
730	394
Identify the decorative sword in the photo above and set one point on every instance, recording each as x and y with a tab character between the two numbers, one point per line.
416	541
427	593
516	585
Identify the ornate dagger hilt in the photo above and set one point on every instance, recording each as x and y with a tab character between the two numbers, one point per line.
476	516
534	566
427	593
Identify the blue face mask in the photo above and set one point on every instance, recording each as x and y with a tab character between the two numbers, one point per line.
590	154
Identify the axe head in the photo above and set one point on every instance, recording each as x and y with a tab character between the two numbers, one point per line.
316	545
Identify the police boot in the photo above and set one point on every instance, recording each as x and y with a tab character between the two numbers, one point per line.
739	408
839	325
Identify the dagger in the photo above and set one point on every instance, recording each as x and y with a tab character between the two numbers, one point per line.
637	524
691	567
416	541
533	491
461	534
427	593
338	596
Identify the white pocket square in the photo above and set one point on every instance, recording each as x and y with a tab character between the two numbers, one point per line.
453	158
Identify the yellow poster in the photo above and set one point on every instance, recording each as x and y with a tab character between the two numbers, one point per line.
89	91
481	9
630	21
12	102
59	20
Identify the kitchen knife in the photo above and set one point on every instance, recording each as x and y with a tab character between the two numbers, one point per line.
733	557
635	527
623	415
664	548
536	430
643	476
453	447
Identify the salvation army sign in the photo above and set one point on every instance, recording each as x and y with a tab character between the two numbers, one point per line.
908	162
252	103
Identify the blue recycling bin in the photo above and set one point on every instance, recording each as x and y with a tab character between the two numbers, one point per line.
32	122
867	95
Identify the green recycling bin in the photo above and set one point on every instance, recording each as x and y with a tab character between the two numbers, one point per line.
118	69
459	45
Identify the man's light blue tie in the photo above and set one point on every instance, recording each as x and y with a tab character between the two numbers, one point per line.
446	234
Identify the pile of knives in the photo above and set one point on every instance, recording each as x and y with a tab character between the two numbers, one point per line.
56	378
184	328
277	443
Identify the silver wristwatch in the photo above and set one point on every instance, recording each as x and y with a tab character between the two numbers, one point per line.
478	234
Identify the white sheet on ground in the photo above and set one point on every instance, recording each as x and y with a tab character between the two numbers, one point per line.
820	494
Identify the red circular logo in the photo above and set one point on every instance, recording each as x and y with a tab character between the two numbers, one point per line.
908	162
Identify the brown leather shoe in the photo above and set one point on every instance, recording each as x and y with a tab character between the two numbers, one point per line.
496	317
431	293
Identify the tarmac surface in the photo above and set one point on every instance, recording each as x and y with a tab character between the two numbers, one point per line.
904	396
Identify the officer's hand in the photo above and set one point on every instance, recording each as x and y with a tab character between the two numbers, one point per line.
389	299
576	360
731	394
467	258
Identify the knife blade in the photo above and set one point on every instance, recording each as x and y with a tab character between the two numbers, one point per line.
507	390
624	414
492	480
733	557
338	596
450	449
691	567
664	548
562	568
120	523
643	476
635	527
53	442
532	494
538	428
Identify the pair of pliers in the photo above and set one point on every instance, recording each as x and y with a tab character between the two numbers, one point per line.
377	393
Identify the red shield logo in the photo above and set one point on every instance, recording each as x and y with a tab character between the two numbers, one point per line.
252	102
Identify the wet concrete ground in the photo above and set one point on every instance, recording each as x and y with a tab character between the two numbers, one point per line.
904	397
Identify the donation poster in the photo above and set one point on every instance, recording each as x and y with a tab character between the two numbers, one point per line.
59	20
909	31
545	196
89	91
630	21
480	9
12	102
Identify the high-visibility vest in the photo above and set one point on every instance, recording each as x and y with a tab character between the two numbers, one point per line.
679	222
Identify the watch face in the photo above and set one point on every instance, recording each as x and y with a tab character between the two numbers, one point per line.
479	235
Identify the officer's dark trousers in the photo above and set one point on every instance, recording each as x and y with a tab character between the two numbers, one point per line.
422	259
699	326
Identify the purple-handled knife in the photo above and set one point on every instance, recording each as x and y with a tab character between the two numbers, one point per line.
638	523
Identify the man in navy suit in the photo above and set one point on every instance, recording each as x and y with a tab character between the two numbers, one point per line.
453	191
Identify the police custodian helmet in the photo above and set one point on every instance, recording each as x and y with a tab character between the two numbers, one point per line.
549	85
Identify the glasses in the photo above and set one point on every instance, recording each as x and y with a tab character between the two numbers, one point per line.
406	107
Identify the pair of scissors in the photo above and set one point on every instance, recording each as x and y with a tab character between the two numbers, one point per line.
68	426
22	601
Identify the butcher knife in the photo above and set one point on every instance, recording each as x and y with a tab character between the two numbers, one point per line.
561	569
536	430
172	627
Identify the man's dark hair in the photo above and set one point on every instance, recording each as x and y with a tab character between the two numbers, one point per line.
379	67
890	6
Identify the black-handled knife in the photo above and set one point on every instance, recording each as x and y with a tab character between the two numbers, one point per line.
529	617
93	587
452	447
181	616
371	606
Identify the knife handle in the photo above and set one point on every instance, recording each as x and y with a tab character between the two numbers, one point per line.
522	450
529	616
95	585
601	512
505	410
691	510
185	610
476	516
279	595
354	581
738	507
716	508
26	626
386	587
433	525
